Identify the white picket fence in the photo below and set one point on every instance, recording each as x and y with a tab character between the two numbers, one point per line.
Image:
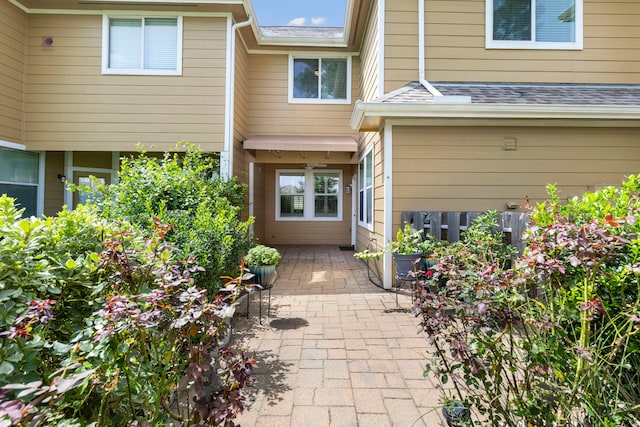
448	225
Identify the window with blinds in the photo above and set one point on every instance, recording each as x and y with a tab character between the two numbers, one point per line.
19	178
142	45
311	195
321	80
534	24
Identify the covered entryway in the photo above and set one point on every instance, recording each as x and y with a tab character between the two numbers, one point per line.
301	189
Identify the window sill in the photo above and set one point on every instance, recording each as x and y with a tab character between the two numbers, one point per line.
516	45
117	72
314	101
284	219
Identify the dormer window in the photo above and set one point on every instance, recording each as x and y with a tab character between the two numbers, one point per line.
534	24
320	80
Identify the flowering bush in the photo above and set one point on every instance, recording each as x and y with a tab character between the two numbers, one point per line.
554	340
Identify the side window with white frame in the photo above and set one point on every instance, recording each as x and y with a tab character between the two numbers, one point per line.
142	45
534	24
20	178
310	195
320	80
365	190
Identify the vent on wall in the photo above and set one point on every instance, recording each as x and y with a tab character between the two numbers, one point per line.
47	43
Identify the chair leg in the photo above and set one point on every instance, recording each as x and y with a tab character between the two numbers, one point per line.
260	309
269	306
248	301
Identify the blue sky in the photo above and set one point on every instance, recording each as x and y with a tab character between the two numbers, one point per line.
317	13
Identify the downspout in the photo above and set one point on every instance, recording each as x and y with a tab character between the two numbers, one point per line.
226	157
381	53
422	65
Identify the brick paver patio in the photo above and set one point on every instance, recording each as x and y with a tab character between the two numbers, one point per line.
336	351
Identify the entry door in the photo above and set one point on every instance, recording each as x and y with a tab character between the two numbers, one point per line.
84	179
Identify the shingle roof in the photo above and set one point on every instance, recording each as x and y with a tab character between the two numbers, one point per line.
519	93
412	92
303	32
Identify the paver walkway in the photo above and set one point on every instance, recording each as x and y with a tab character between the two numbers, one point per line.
336	351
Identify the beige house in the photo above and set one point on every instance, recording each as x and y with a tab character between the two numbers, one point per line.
413	105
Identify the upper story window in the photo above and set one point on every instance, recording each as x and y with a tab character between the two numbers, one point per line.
309	195
142	45
534	24
320	80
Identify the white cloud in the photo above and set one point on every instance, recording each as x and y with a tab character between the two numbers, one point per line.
319	20
297	22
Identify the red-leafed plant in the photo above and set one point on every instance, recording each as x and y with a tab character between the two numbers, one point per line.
555	340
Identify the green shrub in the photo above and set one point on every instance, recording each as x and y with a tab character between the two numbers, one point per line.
204	211
44	259
101	325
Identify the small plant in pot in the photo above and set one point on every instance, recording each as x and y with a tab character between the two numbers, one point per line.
406	250
455	413
262	261
430	248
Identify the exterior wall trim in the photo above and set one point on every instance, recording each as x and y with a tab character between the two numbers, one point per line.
387	231
13	145
17	4
226	164
619	115
42	158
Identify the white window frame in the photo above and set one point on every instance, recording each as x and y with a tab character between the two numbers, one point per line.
41	170
318	100
532	44
139	71
309	190
363	196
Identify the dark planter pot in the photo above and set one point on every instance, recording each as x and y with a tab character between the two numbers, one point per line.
456	414
428	263
264	275
406	263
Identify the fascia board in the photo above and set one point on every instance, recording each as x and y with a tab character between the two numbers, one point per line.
114	12
492	111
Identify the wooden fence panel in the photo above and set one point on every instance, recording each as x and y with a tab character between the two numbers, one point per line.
451	225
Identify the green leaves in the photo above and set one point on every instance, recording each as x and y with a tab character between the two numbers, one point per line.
556	339
179	189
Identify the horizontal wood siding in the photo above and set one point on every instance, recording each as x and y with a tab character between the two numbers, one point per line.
72	106
466	169
240	107
271	114
400	43
13	24
455	47
53	188
370	57
305	232
241	94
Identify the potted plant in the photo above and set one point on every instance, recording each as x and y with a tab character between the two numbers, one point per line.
430	248
406	251
262	261
455	413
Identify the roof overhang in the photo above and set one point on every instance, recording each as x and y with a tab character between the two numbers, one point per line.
370	116
302	143
302	148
